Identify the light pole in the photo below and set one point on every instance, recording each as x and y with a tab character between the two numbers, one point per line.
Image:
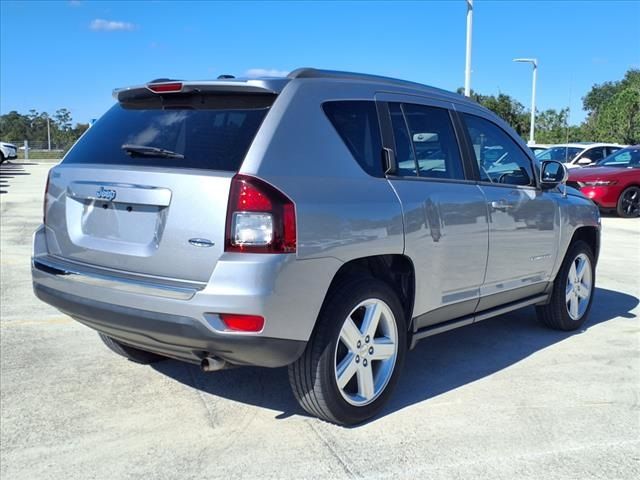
467	64
534	62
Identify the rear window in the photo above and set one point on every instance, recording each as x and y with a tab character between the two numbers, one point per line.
357	124
194	132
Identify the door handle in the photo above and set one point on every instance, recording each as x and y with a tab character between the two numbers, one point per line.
501	205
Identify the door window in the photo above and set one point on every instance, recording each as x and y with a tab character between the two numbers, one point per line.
612	150
594	154
629	157
405	157
500	159
426	138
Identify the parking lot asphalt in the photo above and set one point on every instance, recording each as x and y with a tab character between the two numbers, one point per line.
505	398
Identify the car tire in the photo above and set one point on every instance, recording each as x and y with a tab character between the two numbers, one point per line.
368	370
134	354
573	290
2	159
629	202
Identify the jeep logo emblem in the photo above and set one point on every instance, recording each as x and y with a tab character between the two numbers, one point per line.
105	194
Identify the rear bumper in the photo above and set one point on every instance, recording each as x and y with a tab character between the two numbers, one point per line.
182	320
174	336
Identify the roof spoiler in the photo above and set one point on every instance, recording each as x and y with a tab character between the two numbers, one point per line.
167	87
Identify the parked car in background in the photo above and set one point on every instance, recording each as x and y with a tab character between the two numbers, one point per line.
8	151
539	147
614	183
579	154
327	221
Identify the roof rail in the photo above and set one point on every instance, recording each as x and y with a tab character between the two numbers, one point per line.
317	73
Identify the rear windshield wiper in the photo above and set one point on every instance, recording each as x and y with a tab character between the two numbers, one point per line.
145	150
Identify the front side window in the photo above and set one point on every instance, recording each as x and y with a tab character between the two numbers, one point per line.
611	150
432	139
357	124
500	159
629	157
595	154
559	154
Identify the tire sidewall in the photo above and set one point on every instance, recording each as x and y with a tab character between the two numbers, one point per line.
334	315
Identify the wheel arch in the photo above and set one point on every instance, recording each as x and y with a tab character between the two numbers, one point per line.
590	235
397	270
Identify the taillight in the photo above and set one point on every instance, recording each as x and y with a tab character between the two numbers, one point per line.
165	87
242	323
260	218
44	200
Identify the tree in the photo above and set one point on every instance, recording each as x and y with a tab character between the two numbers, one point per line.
63	119
13	126
619	120
552	126
17	127
614	110
506	107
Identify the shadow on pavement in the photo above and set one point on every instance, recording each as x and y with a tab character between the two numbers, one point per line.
11	170
437	365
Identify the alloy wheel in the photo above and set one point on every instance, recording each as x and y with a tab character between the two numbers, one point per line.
366	352
631	202
579	287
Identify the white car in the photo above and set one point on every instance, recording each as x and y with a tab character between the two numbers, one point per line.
7	151
536	148
579	154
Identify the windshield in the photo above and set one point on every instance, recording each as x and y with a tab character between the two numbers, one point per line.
627	157
189	135
559	154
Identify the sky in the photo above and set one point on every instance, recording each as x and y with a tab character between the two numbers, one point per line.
72	54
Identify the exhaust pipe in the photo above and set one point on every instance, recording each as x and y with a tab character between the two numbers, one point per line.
212	364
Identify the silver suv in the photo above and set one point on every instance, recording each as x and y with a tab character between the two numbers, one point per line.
326	221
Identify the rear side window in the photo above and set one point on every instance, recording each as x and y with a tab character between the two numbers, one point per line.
193	133
405	157
357	124
434	142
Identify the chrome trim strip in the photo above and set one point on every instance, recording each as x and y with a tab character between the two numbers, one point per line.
122	193
494	312
126	285
474	318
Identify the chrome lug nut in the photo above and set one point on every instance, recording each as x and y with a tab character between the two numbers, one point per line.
364	362
358	359
370	350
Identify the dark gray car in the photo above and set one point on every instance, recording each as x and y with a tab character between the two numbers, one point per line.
326	221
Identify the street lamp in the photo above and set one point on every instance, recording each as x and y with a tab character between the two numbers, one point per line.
467	63
534	62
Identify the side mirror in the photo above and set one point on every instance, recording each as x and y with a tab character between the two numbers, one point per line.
585	161
553	173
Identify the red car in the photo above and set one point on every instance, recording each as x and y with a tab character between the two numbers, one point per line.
613	183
